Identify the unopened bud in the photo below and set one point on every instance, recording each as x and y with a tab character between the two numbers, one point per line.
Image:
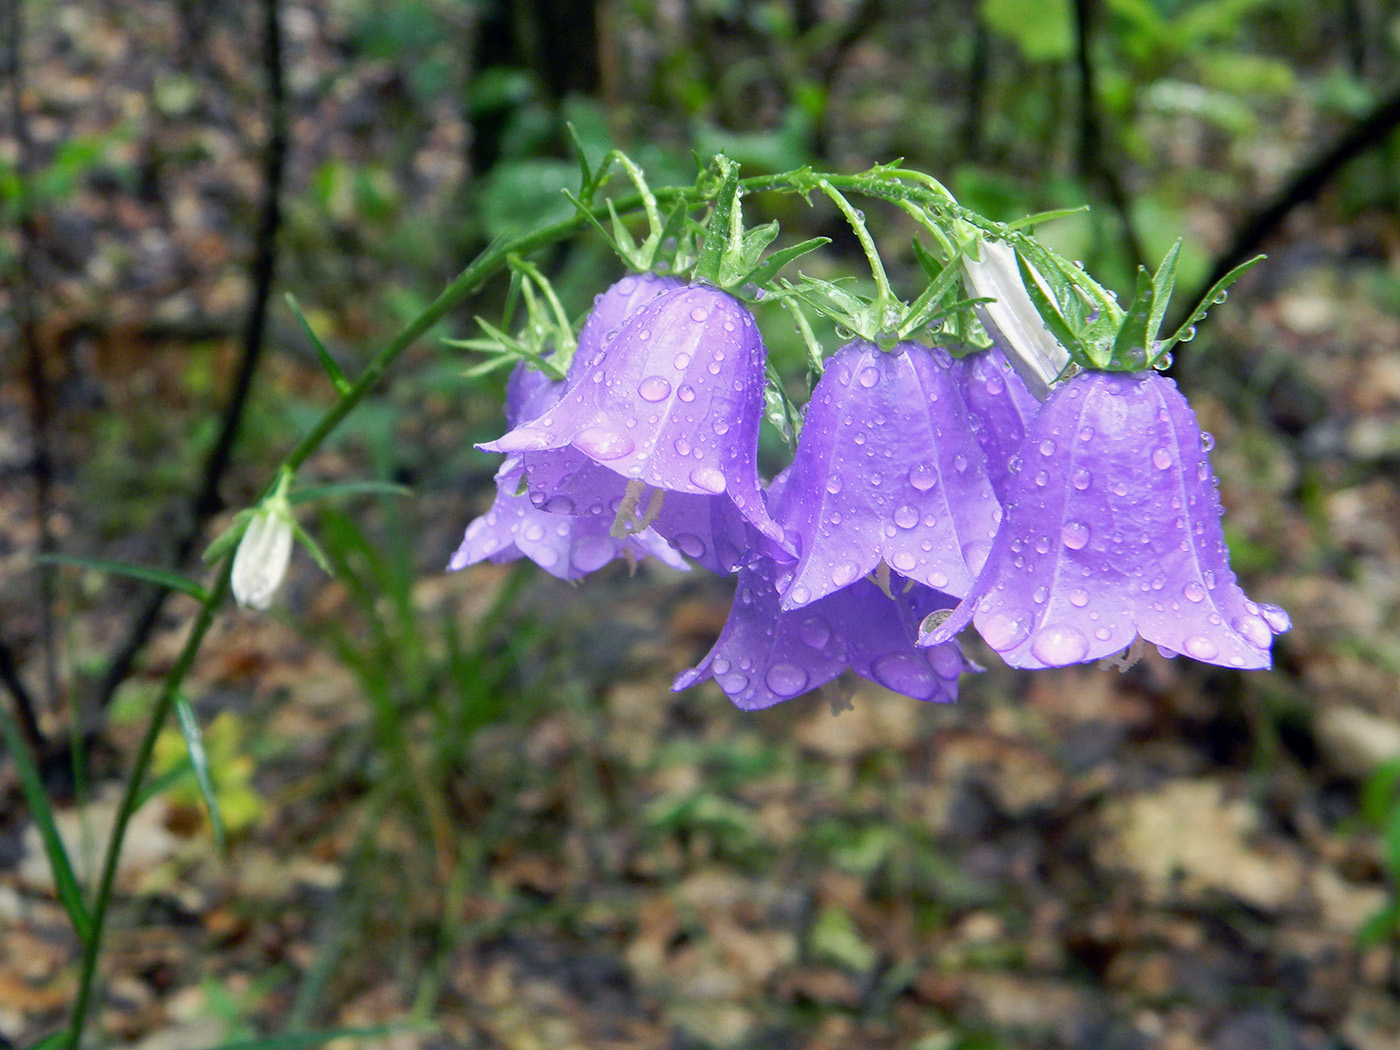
263	554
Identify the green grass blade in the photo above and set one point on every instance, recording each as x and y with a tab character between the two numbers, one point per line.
145	573
70	894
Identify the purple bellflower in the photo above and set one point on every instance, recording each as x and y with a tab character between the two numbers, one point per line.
887	468
765	655
1112	531
672	403
1001	407
567	546
610	310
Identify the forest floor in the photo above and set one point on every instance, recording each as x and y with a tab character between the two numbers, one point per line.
475	803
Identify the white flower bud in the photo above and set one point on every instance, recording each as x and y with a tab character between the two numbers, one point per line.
1012	320
263	554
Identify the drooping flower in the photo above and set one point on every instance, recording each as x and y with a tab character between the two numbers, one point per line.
610	311
1010	316
569	546
765	655
673	402
887	468
1112	531
1000	407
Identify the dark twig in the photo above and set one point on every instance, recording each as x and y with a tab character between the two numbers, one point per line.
1094	163
1306	183
22	293
206	502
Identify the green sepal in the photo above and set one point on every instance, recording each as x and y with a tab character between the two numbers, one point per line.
723	232
1054	320
1214	297
768	269
1132	348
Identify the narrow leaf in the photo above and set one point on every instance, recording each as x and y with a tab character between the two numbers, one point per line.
1031	221
147	574
1132	346
199	762
927	260
717	230
41	810
342	385
768	269
1050	312
1214	297
349	488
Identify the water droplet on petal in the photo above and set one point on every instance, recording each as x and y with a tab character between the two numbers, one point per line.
734	683
786	680
1075	535
844	574
814	631
1276	618
1003	631
681	360
906	517
558	505
603	443
1047	447
1039	595
923	476
1194	592
1161	458
1255	631
904	673
1082	479
689	544
1086	434
903	561
1060	645
708	479
1207	441
833	484
995	384
686	393
1200	647
868	377
1079	597
699	314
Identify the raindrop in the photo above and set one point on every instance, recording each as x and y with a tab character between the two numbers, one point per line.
708	479
1079	597
1060	645
1194	592
1042	478
833	484
653	388
1047	447
786	680
844	574
534	532
1003	631
1275	617
1074	534
1086	434
905	673
686	393
800	595
558	505
1039	595
903	561
1221	297
1254	630
906	517
814	632
960	463
681	360
603	443
699	314
869	377
689	544
923	476
720	427
1207	441
995	384
1161	458
733	683
682	446
1201	647
1081	479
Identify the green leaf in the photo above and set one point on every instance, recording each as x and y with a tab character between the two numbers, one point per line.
1214	297
1163	284
1040	217
720	230
349	488
338	380
1042	29
1050	313
199	762
70	894
161	577
932	267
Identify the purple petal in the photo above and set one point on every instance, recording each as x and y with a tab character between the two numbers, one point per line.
610	310
887	468
569	547
766	655
1000	407
1113	530
675	402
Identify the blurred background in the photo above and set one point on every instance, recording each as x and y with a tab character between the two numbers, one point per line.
469	805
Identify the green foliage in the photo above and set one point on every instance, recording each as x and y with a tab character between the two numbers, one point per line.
1042	29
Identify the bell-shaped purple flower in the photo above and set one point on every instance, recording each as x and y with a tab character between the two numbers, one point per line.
765	655
1001	407
611	309
887	467
674	402
1112	531
567	546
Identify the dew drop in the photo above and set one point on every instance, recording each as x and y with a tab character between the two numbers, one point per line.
1042	478
868	377
995	384
1209	576
1254	630
960	463
1059	645
814	631
1003	631
686	393
1200	647
1079	597
905	673
603	443
786	680
681	360
534	532
800	595
903	561
1161	458
1086	434
1276	618
1194	592
734	683
923	476
1082	479
682	446
844	573
1039	595
906	517
1207	441
689	544
708	479
699	314
1074	535
558	505
653	388
720	427
1047	447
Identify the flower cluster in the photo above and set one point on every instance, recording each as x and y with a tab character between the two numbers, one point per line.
924	494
